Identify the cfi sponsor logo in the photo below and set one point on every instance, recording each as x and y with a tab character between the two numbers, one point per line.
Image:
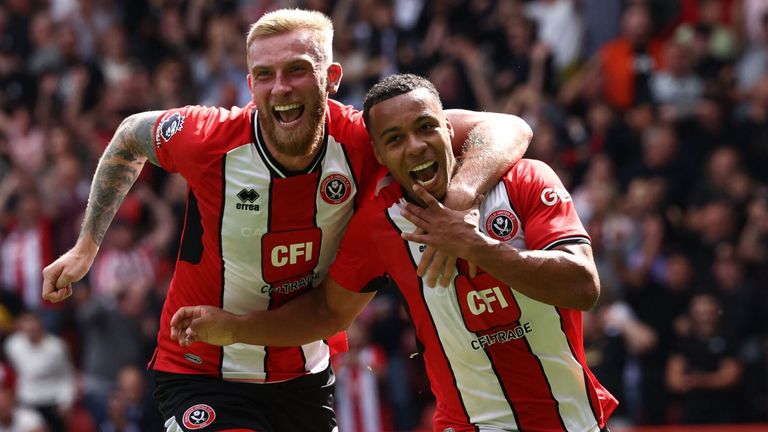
168	128
198	416
335	189
501	225
550	195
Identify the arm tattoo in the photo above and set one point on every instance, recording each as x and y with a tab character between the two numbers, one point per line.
118	168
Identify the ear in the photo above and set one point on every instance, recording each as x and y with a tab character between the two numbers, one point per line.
449	126
334	78
376	153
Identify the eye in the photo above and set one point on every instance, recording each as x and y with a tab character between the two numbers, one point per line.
262	73
392	139
296	69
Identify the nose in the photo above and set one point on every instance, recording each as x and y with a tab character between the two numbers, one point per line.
282	85
414	145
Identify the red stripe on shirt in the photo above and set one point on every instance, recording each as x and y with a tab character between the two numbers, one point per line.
290	209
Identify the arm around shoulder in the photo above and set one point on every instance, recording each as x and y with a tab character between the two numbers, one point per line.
318	314
487	145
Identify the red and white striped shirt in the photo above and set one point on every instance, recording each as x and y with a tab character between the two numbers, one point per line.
255	235
496	359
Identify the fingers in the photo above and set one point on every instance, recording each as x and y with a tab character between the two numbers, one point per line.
435	269
449	264
57	281
180	325
182	317
415	215
189	337
426	260
472	269
425	196
58	294
55	287
414	237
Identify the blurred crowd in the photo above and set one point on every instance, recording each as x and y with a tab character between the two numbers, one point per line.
653	112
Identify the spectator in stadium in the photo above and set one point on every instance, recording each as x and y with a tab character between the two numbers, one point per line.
288	176
45	379
14	418
497	357
624	65
140	408
112	338
703	368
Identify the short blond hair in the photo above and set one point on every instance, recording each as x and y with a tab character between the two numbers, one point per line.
282	21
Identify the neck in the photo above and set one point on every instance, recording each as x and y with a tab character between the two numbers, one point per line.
294	163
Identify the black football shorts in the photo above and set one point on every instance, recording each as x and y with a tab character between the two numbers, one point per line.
202	403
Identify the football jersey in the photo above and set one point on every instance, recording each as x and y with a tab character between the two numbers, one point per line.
255	235
496	359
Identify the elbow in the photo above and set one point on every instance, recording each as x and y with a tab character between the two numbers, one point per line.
589	293
526	133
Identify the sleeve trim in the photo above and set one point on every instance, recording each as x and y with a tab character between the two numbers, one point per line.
567	240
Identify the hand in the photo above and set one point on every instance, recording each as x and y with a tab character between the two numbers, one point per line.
447	233
207	324
59	275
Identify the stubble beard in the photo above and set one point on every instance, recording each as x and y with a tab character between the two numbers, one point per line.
302	141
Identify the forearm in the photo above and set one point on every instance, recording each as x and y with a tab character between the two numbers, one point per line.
490	149
116	172
554	277
298	322
725	377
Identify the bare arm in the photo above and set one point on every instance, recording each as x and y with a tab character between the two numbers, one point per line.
324	311
489	144
118	168
116	172
565	276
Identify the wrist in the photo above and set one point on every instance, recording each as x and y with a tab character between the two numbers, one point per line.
480	248
236	328
86	247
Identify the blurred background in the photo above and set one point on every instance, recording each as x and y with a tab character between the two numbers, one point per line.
653	112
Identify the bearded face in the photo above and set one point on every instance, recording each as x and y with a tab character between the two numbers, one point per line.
290	86
295	131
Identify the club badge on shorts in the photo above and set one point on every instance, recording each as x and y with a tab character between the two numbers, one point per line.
335	189
501	225
198	416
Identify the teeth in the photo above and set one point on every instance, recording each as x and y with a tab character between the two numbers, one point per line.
425	183
287	107
422	166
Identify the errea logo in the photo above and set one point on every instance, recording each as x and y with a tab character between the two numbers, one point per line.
550	195
247	198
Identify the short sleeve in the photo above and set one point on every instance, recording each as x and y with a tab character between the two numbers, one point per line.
358	261
544	206
185	138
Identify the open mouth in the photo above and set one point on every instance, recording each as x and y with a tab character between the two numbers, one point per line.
288	113
424	173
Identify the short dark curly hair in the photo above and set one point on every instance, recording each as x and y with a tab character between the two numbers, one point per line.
395	85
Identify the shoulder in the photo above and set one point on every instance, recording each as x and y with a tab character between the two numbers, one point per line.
373	210
188	137
529	170
201	120
345	124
